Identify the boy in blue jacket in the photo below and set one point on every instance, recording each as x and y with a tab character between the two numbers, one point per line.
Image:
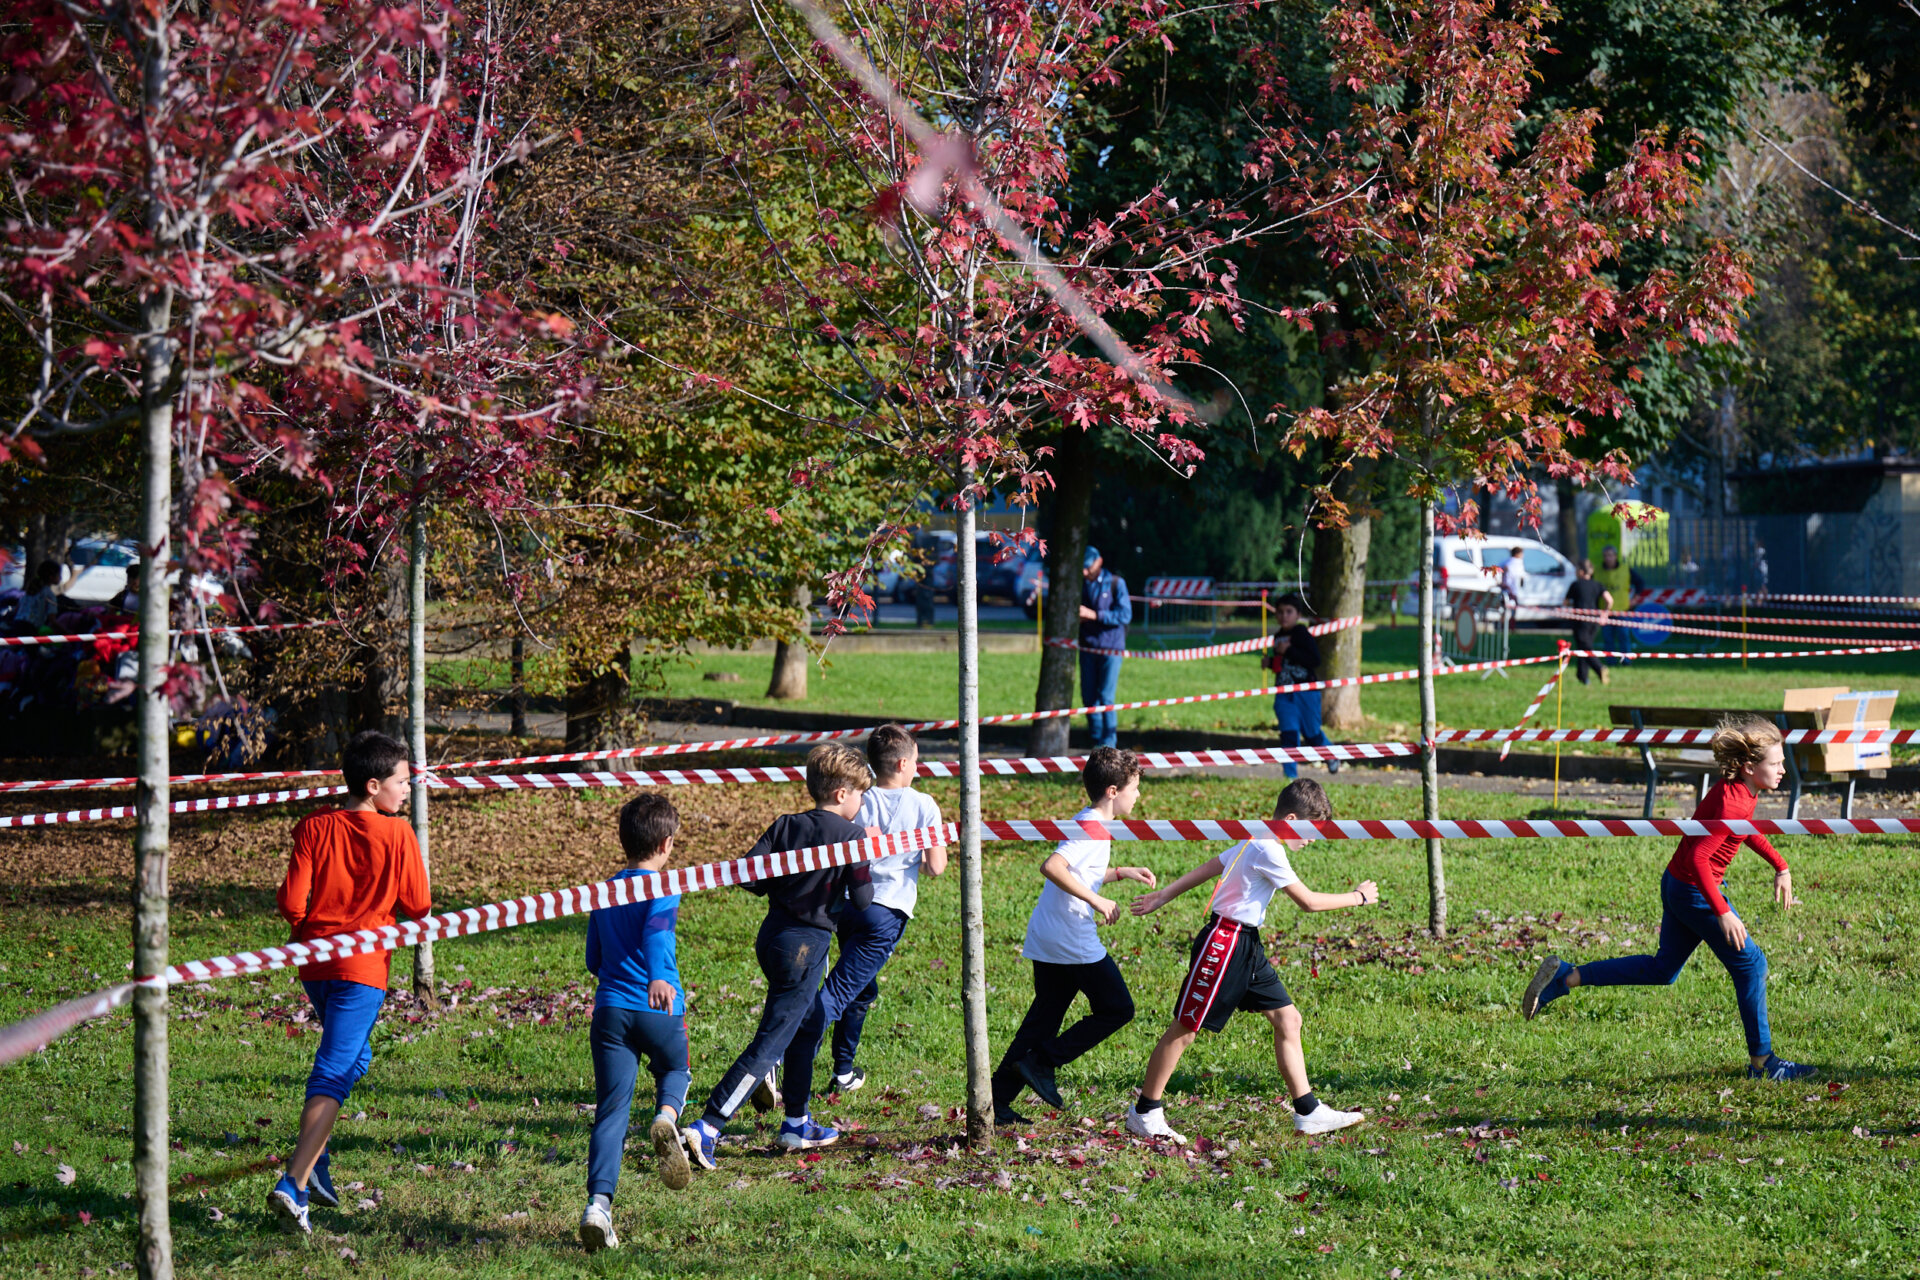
639	1010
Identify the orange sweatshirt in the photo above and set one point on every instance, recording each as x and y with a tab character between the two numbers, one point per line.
350	868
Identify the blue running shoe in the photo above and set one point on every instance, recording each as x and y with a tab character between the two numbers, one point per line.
289	1204
1549	984
700	1137
320	1184
1778	1069
803	1134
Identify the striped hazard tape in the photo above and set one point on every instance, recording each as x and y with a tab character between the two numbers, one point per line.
82	637
1253	645
1538	699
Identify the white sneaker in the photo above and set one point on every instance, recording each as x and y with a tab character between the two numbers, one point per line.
766	1094
1326	1119
1153	1124
849	1082
596	1229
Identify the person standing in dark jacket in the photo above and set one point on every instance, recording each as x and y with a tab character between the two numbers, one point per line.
1294	658
1588	593
1105	612
792	944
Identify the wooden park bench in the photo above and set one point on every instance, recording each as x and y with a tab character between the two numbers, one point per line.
1696	762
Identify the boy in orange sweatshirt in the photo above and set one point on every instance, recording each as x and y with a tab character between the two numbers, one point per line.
351	867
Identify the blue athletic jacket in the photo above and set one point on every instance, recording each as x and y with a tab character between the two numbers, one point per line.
629	946
1106	595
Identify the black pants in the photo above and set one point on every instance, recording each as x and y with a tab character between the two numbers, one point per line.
1054	987
1586	635
793	956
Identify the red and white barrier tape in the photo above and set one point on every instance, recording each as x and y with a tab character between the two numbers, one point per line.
1207	650
83	637
997	767
1694	597
1667	737
1662	619
35	1033
1538	699
1669	625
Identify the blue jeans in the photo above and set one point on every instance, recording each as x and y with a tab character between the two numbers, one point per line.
1298	715
867	938
1100	685
792	956
618	1040
1687	920
347	1011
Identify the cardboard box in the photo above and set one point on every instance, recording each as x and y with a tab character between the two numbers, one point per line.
1841	708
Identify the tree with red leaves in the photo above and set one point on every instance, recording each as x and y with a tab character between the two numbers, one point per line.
233	227
1493	332
986	309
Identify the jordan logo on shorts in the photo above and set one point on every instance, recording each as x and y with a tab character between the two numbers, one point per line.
1197	997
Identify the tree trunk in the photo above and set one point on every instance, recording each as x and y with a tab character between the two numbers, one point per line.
154	1248
49	537
973	915
517	698
423	987
382	667
790	657
1066	548
597	698
1572	545
1429	760
1339	580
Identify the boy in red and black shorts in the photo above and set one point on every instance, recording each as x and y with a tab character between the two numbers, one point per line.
1230	969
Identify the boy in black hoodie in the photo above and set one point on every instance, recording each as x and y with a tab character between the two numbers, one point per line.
1294	658
793	942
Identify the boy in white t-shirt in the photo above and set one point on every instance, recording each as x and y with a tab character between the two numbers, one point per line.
1063	942
1230	969
868	935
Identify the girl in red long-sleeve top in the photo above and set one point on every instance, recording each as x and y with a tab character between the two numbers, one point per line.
1695	909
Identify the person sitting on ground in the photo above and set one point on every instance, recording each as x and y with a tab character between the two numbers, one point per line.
1229	969
868	938
350	869
793	945
36	609
1063	943
1587	593
639	1010
1294	658
1695	910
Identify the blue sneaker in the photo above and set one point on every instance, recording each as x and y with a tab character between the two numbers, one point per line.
320	1184
700	1137
803	1134
1778	1069
1549	984
289	1203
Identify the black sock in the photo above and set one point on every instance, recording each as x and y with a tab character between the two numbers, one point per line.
1305	1104
1145	1105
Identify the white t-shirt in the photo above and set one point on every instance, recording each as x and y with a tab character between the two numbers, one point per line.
1255	870
1513	577
1062	928
896	877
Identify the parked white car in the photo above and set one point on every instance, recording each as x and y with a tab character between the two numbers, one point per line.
98	570
1476	564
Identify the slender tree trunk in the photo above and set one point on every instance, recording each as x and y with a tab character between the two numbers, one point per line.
517	698
1572	544
596	697
423	987
790	657
1429	760
973	915
49	537
1339	581
1066	547
154	1248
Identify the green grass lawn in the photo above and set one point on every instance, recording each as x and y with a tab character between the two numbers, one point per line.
1615	1137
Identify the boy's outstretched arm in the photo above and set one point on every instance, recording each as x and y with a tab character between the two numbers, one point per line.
1364	894
1148	903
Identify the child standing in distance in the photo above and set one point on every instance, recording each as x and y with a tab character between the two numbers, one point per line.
1294	658
351	867
639	1011
1230	970
867	938
793	942
1694	909
1064	945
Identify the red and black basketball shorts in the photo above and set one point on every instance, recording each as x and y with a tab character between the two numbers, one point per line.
1230	971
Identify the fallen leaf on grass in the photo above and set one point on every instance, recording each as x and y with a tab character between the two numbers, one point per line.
214	1214
65	1175
366	1206
1003	1180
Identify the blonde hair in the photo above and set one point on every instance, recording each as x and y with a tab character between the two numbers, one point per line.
833	765
1740	742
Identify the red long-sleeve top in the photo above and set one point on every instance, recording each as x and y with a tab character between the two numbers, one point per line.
1702	861
350	869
